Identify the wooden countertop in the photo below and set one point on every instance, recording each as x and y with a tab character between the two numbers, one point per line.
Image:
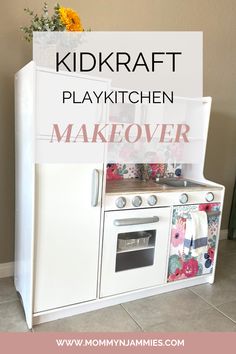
134	185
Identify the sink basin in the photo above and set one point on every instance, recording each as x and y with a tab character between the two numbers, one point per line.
179	183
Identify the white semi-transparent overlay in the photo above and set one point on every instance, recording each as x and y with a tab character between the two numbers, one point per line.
132	96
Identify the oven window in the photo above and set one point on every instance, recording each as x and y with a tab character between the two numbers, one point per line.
135	249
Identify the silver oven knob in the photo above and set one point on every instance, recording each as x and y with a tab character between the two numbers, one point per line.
209	197
120	202
137	201
183	198
152	200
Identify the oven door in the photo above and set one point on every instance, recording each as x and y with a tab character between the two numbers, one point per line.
135	248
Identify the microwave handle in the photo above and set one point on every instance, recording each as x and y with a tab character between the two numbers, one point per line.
95	188
136	221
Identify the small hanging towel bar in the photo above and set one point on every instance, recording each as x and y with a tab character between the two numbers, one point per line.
209	214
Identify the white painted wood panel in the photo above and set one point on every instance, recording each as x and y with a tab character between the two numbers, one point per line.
67	235
24	185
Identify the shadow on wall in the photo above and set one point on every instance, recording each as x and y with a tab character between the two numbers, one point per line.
219	166
15	53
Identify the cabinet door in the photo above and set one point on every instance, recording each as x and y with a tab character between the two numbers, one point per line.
67	235
54	110
183	266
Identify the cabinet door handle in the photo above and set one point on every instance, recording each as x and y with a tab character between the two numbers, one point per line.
95	188
135	221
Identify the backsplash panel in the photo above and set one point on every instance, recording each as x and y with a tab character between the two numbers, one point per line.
119	171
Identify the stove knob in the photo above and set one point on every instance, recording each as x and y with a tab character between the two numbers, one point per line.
137	201
183	198
209	197
120	202
152	200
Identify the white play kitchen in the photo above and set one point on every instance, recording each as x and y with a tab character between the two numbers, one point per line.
94	235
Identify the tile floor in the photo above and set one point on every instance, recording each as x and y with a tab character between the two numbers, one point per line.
200	308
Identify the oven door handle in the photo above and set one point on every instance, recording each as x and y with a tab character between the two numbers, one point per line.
135	221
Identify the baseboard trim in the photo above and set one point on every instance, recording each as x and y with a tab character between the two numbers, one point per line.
71	310
6	269
223	234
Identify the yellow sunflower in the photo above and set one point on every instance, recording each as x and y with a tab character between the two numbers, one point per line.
70	19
